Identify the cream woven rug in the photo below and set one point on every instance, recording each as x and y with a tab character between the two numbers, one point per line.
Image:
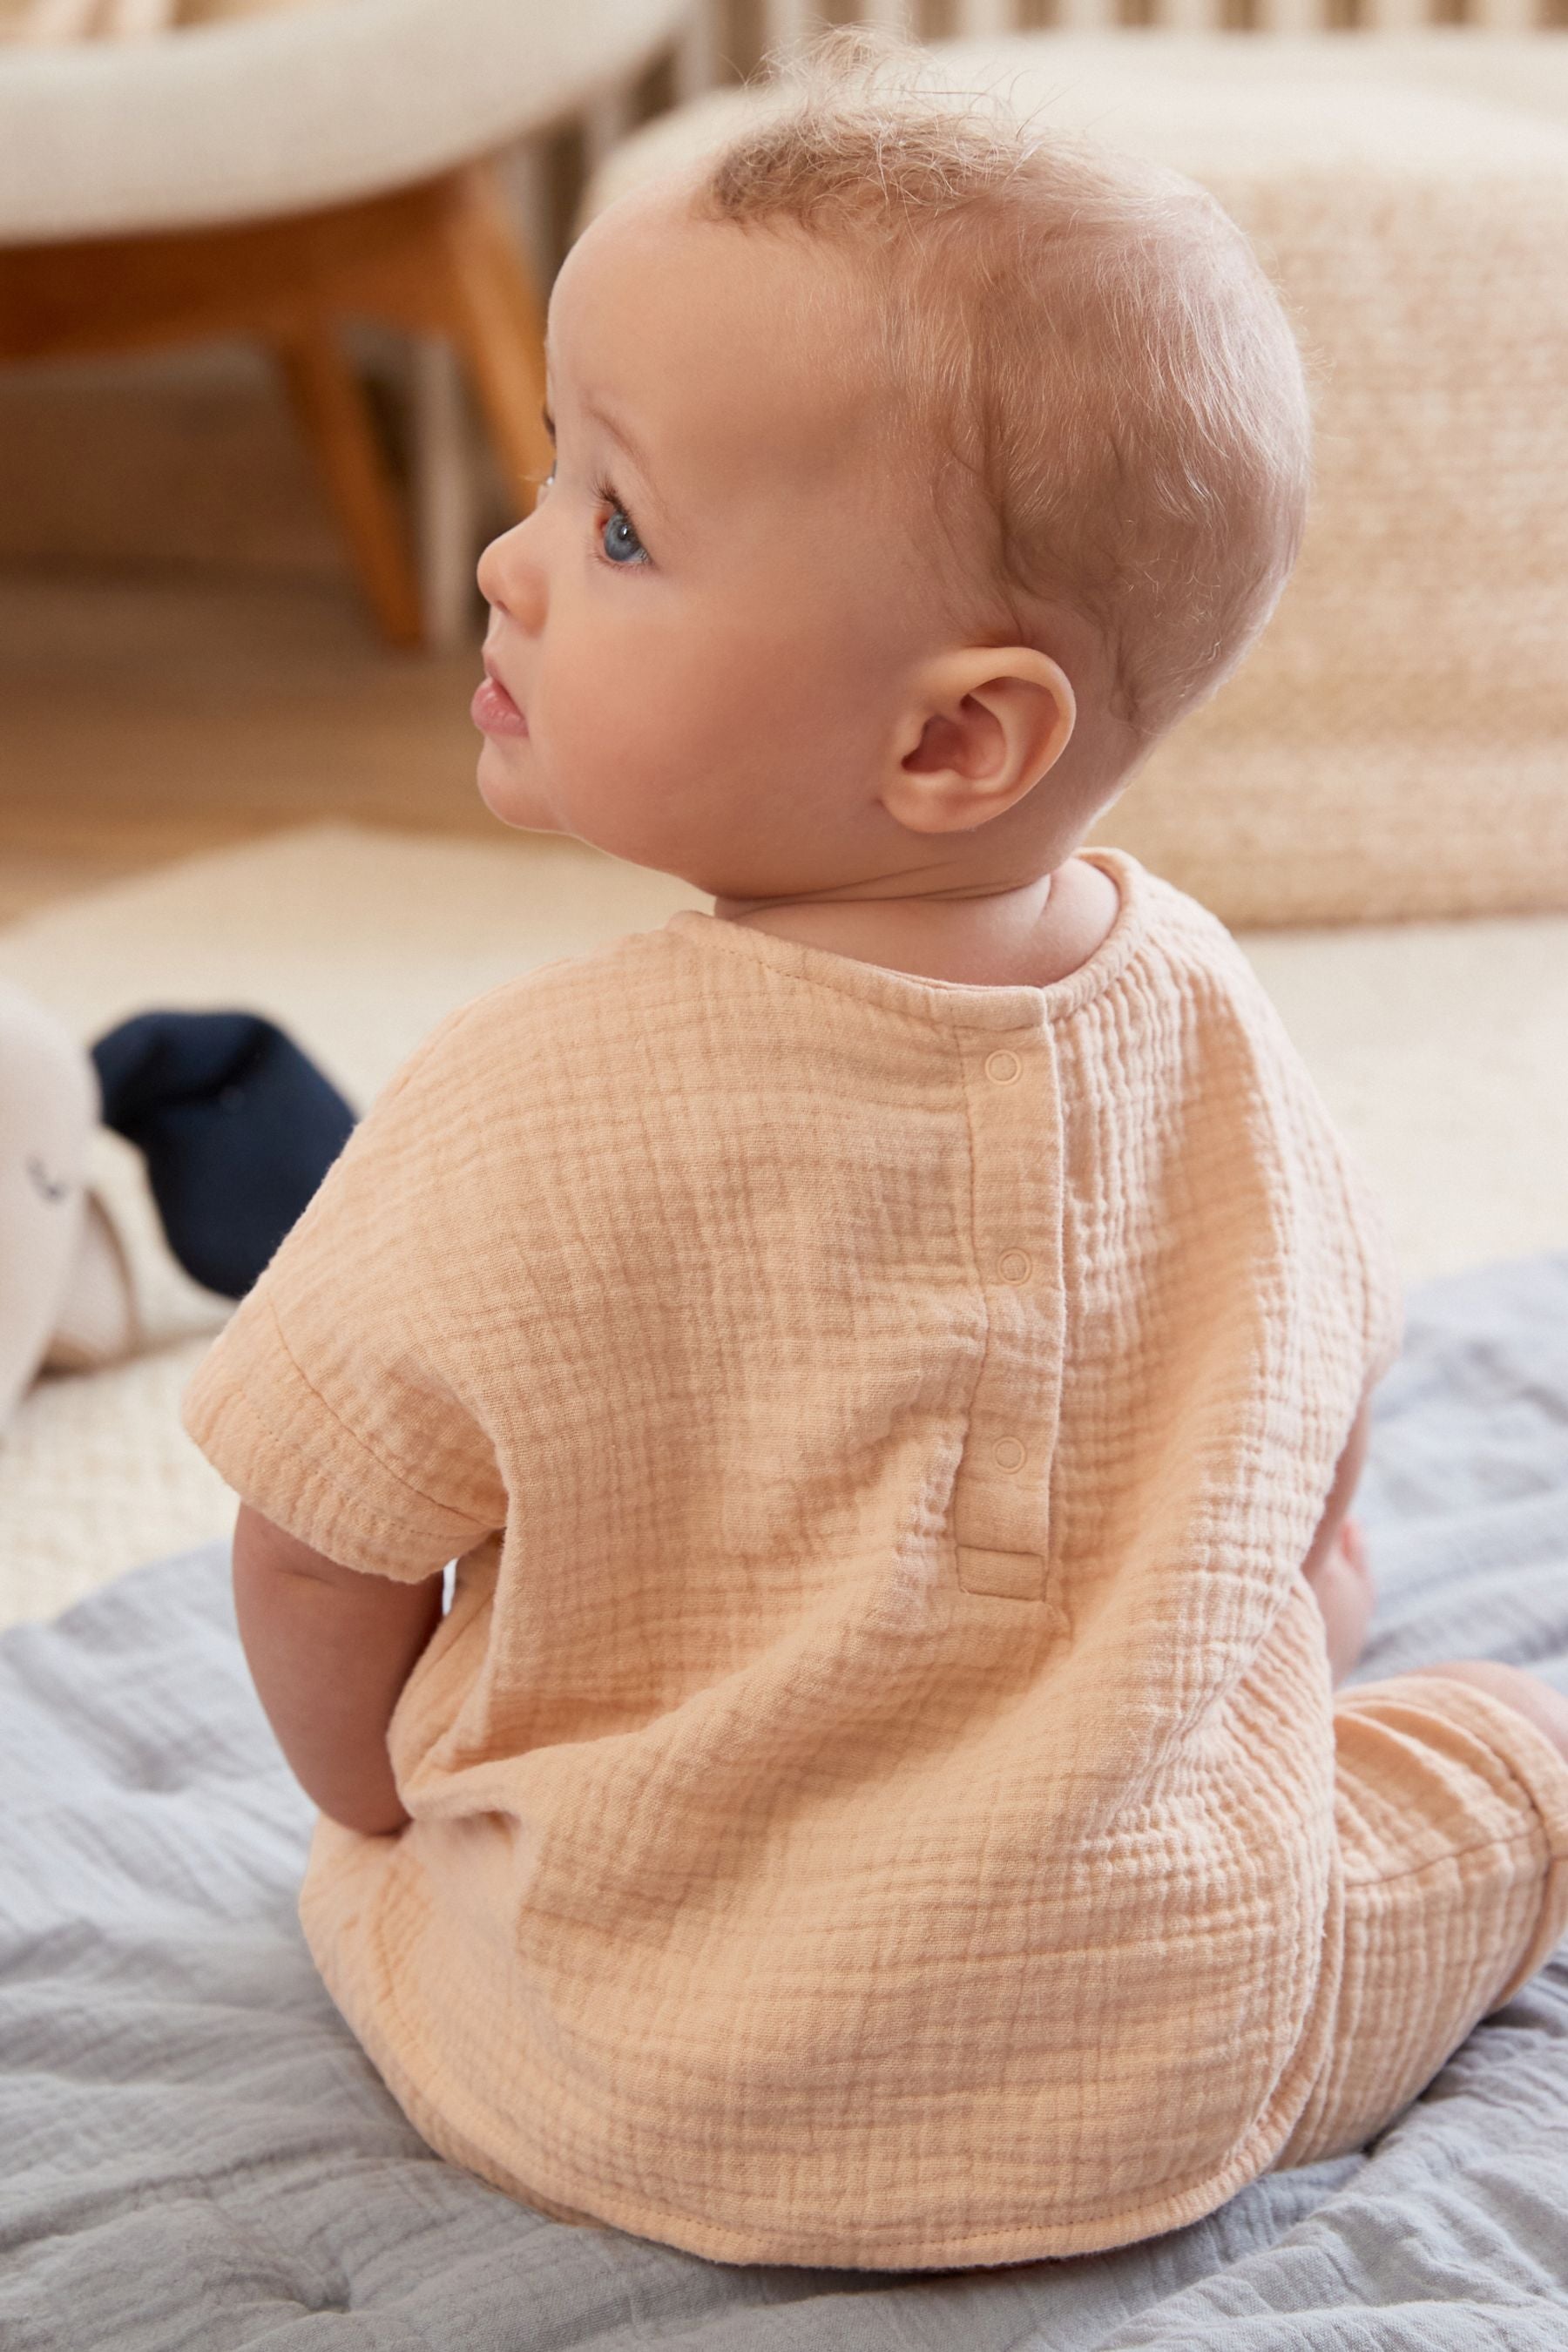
1439	1046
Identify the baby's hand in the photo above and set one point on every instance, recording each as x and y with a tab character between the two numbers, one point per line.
1343	1587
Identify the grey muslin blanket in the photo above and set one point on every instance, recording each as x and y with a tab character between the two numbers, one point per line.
194	2152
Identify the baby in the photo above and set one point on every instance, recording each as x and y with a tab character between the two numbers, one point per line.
890	1357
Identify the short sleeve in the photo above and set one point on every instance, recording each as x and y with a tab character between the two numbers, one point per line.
341	1399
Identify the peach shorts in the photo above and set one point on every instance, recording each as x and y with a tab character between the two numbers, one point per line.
1452	1812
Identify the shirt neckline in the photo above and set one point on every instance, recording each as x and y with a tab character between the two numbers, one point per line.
954	1003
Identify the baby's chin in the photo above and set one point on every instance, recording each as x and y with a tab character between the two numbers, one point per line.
510	795
513	795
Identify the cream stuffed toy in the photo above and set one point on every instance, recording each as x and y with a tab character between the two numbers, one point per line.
66	1300
236	1128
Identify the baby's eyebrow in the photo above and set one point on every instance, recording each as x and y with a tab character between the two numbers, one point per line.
632	449
626	440
620	433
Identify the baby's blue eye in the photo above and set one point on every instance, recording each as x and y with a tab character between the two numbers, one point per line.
628	549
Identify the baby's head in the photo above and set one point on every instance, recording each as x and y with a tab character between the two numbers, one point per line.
916	470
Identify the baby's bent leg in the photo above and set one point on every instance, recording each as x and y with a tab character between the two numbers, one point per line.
1545	1707
1451	1822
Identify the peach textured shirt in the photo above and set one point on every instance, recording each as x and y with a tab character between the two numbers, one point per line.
873	1788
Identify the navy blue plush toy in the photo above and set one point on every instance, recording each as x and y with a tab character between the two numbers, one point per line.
237	1127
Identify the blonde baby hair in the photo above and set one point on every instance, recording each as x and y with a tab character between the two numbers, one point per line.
1078	350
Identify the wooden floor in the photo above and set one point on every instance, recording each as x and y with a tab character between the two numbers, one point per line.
146	716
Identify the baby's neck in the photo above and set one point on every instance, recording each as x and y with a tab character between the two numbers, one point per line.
1031	936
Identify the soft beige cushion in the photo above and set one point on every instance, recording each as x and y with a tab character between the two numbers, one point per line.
279	111
53	21
1397	744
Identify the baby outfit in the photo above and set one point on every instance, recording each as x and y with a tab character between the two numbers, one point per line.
878	1796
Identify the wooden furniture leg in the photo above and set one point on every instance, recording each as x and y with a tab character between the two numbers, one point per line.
498	325
437	258
336	421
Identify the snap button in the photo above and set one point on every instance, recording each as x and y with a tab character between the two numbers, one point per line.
1009	1453
1015	1266
1002	1066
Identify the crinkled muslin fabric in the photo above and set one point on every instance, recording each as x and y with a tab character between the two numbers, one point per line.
878	1795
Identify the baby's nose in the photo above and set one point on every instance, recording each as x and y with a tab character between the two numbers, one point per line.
502	575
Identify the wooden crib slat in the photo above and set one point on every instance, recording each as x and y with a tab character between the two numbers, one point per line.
1087	15
607	120
137	20
978	18
1189	16
696	56
1395	16
894	16
1305	16
46	22
787	23
793	21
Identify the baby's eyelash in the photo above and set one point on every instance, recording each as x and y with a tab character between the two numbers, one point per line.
607	495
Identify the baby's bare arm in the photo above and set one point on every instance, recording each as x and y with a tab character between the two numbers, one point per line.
329	1649
1335	1511
1339	1581
1346	1609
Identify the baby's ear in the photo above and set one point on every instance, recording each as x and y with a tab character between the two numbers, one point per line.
987	724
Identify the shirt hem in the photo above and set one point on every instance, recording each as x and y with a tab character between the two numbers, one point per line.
1095	2232
1126	2225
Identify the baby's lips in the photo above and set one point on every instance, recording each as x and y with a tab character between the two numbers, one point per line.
492	709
